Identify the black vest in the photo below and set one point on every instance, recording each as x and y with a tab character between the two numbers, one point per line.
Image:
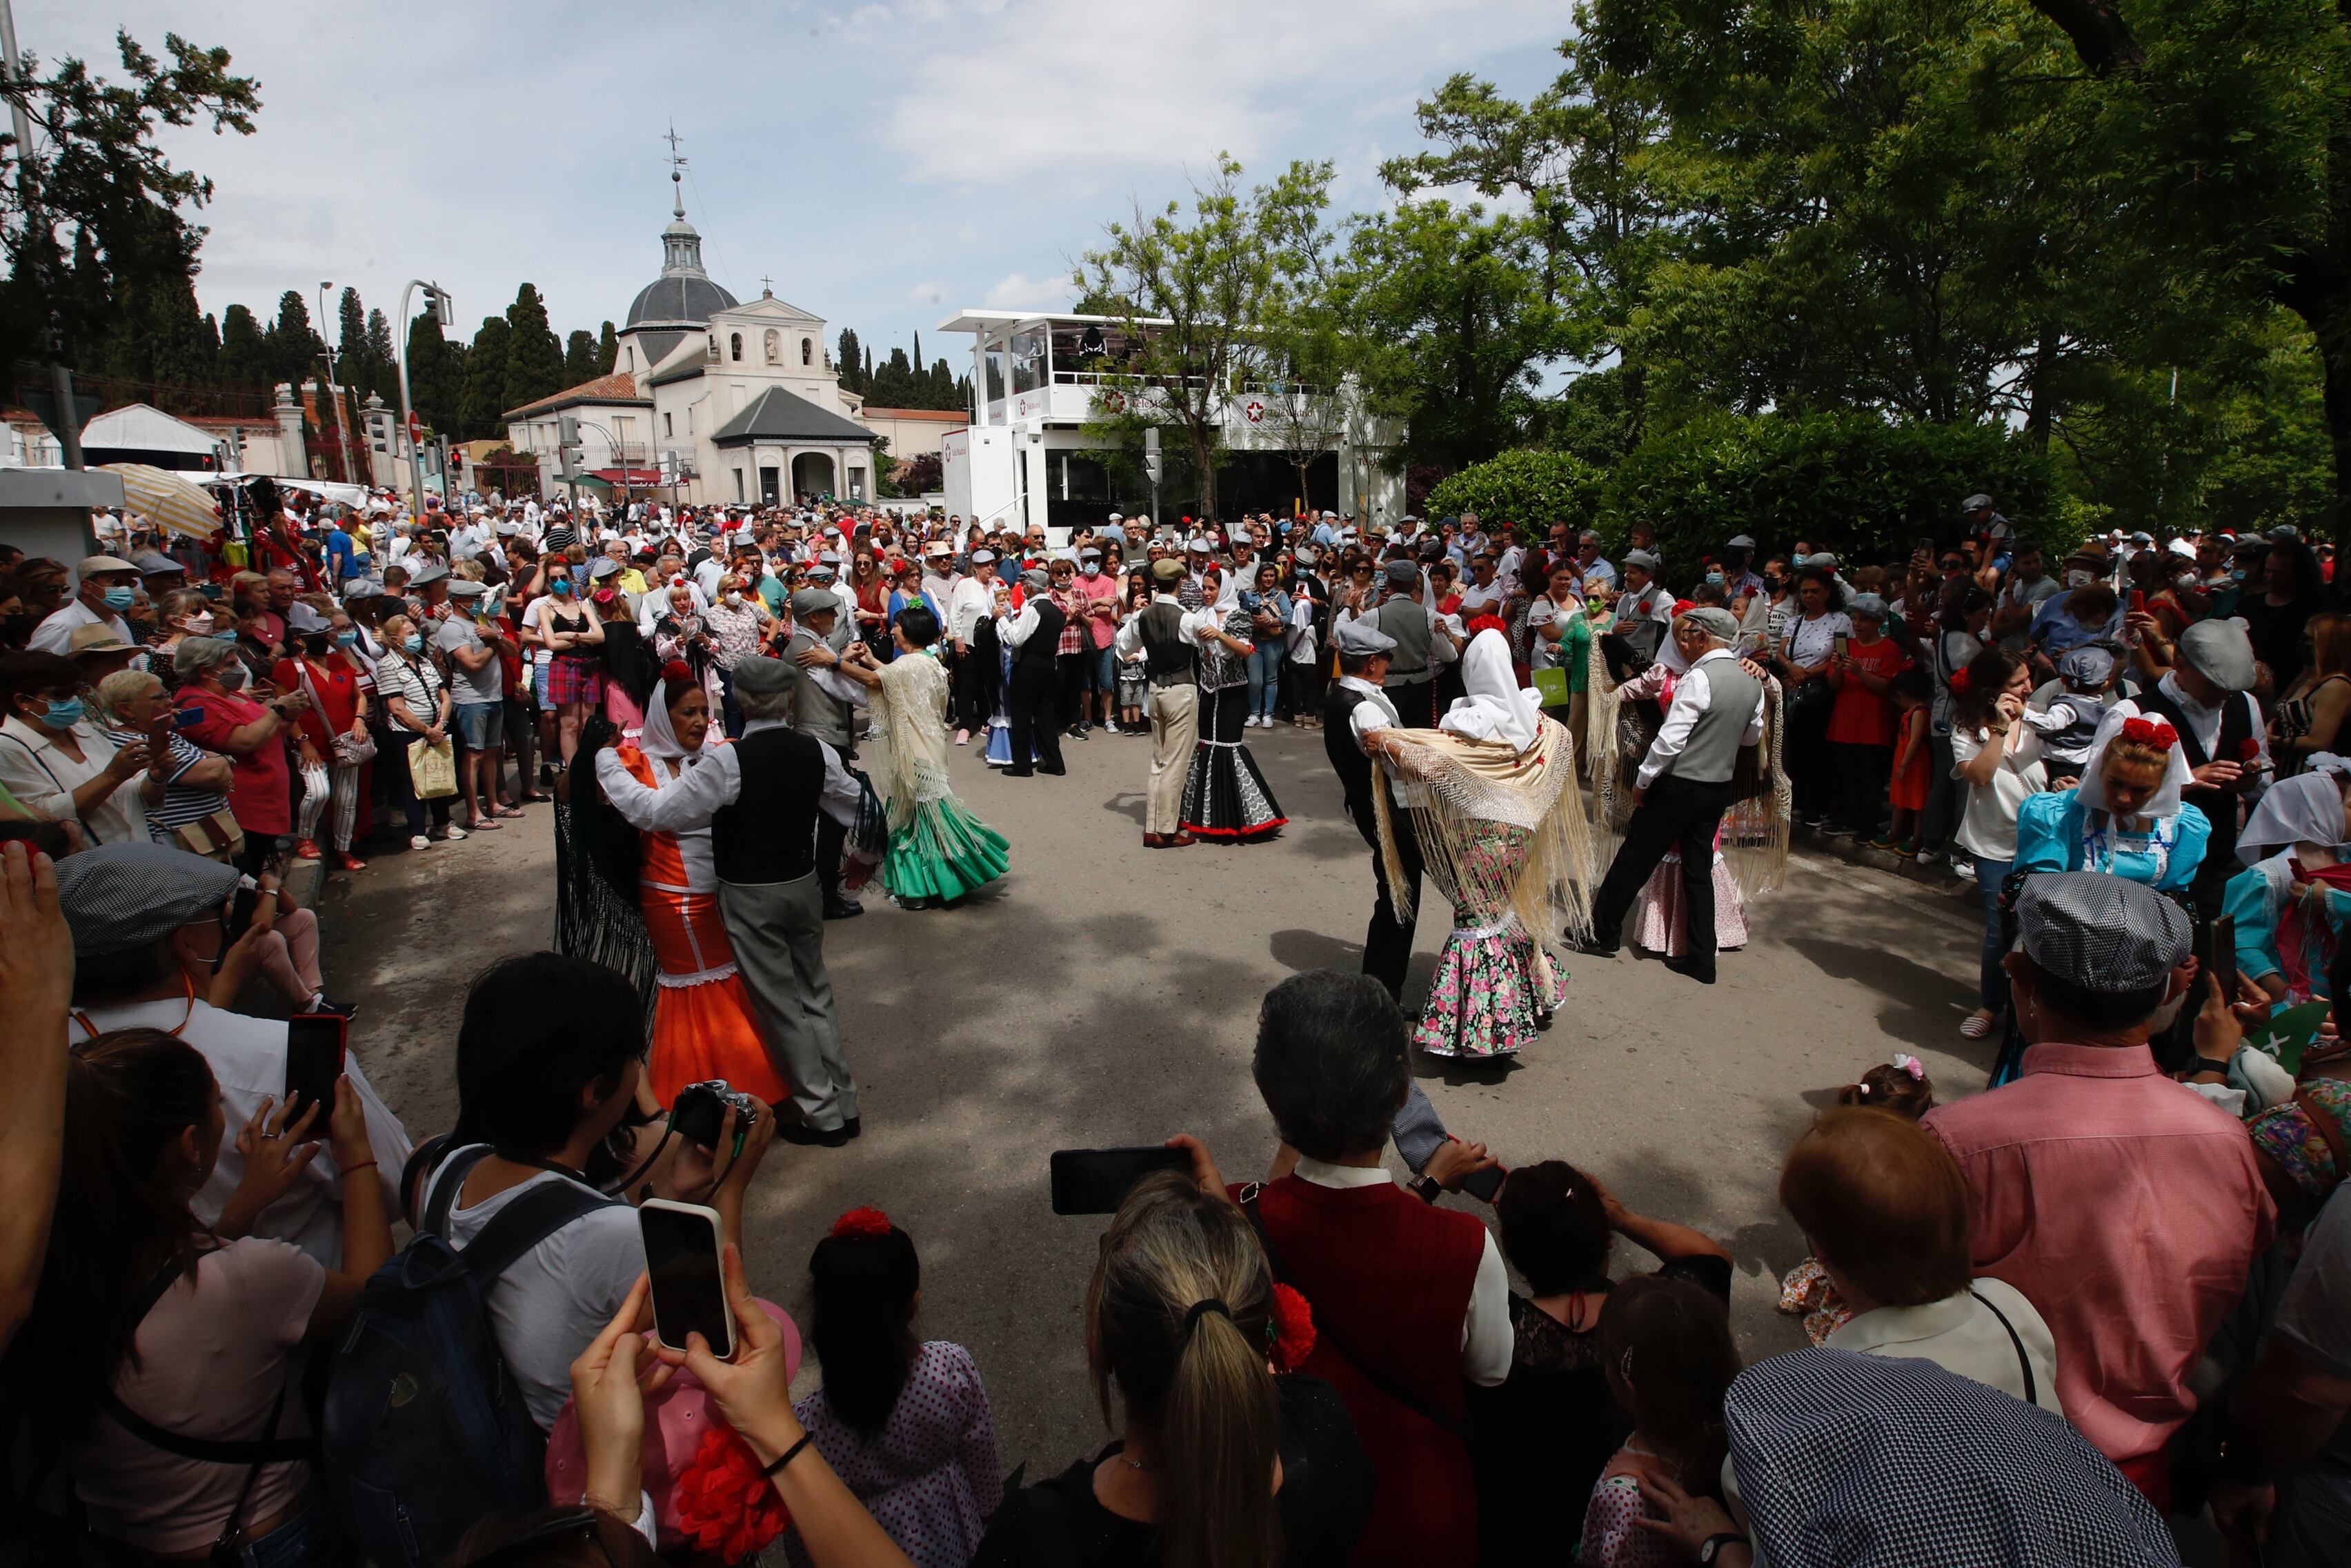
768	834
2219	806
1168	657
1347	758
1038	653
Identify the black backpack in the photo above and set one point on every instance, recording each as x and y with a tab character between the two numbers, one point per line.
426	1431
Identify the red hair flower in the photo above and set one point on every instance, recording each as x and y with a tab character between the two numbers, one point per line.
675	674
862	1225
2247	750
723	1504
1958	683
1292	1328
1488	624
2151	732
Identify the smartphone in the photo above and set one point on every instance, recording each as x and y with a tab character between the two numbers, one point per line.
2224	958
1839	644
240	913
1096	1181
314	1060
683	1243
187	718
2138	601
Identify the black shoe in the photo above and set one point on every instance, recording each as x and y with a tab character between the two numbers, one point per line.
1058	772
1702	971
1542	1020
843	909
813	1138
1018	773
1084	732
854	1126
1591	947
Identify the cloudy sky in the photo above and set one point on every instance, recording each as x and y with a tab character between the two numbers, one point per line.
885	164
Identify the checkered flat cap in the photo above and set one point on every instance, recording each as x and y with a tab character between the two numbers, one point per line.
120	897
2103	933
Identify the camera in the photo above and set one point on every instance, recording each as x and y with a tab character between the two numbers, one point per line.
700	1110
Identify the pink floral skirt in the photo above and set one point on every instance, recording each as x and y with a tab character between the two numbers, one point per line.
1483	997
1656	918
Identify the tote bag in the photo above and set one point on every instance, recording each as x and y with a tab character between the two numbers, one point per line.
431	769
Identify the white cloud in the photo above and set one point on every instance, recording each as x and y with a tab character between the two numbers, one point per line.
1019	291
927	294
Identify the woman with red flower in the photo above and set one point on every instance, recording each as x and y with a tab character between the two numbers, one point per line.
1227	1457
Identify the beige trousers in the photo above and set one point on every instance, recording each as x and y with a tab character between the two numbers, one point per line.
1175	726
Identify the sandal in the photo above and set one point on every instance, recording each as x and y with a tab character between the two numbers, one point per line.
484	825
508	811
1977	1026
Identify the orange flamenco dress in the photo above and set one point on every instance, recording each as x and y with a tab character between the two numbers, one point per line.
703	1023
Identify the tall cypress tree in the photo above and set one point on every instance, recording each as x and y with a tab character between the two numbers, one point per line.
534	357
352	350
436	376
608	350
243	355
487	372
384	374
580	359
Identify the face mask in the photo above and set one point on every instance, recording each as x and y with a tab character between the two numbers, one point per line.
2238	575
414	642
63	713
232	676
1715	578
560	588
2186	579
226	634
2077	578
200	624
121	598
346	639
733	598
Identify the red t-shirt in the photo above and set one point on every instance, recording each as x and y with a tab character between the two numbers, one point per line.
258	781
335	686
1864	717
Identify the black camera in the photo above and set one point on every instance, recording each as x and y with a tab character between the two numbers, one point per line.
700	1110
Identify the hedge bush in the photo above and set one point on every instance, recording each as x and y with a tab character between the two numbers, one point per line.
1847	482
1528	490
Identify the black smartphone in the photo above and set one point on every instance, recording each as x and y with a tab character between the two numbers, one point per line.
314	1060
240	912
683	1243
1096	1181
2224	960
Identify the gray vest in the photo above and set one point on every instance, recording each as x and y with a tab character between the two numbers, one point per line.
1713	749
1168	657
816	711
1407	620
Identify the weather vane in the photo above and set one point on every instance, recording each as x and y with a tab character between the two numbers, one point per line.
676	167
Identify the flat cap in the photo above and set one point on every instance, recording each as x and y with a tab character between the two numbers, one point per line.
300	617
1199	542
1166	568
1869	604
1714	621
1038	579
814	602
1740	541
765	678
431	571
1361	638
2086	668
90	566
1403	573
982	557
2221	653
1975	503
155	563
2102	932
1642	558
120	897
602	567
464	588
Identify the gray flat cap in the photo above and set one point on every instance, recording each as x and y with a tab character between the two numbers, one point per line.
982	557
155	563
2221	653
1641	559
464	588
2086	668
1038	579
1975	503
814	602
1361	638
1868	604
2102	932
431	571
602	567
1714	621
300	617
120	897
1403	573
1740	541
765	678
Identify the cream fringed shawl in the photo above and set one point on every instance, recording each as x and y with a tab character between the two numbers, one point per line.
913	698
1754	831
1454	783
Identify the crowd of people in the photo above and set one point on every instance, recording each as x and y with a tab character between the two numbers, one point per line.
2114	1287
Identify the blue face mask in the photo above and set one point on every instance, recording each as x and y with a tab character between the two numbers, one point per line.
1715	578
345	639
63	713
121	598
414	642
2238	575
560	588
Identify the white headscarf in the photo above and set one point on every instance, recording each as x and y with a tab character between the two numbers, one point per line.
2306	809
1495	708
2165	801
659	737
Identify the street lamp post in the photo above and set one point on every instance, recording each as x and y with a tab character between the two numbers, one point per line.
628	493
68	427
438	297
342	424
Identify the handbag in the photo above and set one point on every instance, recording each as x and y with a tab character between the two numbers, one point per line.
1551	687
431	769
350	750
214	836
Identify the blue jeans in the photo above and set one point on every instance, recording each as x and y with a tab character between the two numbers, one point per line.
1993	984
309	1539
1265	677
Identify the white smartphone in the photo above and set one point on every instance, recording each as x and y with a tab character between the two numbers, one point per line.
683	1245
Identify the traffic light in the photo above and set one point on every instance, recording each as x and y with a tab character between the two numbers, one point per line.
380	432
567	449
444	310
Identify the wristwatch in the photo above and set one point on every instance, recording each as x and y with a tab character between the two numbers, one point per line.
1711	1547
1427	1187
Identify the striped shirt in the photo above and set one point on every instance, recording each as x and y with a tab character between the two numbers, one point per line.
182	803
413	680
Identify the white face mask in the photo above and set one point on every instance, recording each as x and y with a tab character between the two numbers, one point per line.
2184	580
733	598
2077	578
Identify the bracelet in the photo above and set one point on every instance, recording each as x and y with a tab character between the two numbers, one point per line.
788	1455
363	1164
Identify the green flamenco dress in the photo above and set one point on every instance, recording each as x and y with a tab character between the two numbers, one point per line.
938	851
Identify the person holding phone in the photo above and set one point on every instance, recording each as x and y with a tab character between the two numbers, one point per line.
215	685
1802	664
55	763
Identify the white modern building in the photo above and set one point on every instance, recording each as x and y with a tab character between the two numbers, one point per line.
1039	379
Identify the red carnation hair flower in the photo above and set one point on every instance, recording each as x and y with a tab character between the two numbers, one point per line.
862	1225
1958	683
675	673
2151	732
1488	624
1293	1330
723	1504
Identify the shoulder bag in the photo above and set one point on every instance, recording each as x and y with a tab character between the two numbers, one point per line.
349	750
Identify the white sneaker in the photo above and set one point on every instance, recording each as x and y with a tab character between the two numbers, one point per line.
452	832
419	841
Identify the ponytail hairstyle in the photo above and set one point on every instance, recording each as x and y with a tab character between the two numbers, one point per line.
1179	1316
119	1221
1976	699
1665	1348
864	1276
1900	1086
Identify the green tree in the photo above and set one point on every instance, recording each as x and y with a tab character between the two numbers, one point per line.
580	359
293	347
1526	490
488	366
437	376
534	357
893	383
1214	277
851	362
244	357
351	340
384	374
608	350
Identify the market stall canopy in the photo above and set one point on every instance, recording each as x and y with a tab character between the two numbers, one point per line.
136	427
169	501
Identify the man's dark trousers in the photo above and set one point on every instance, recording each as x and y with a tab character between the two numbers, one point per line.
1387	941
1674	814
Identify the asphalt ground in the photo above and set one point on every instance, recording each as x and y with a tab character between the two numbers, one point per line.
1105	994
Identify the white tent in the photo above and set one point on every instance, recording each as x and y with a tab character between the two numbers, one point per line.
135	427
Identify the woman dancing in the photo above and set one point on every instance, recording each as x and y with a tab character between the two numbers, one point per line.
1500	823
1225	798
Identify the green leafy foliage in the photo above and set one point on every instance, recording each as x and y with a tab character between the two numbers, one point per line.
1526	490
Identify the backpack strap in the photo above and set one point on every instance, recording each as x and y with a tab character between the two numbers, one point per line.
1325	1333
443	1186
2023	1362
525	1223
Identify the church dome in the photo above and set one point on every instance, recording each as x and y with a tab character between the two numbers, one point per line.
678	298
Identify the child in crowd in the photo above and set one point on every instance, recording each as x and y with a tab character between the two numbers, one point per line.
1899	1086
1907	794
1666	1349
1861	726
904	1422
2070	723
1132	675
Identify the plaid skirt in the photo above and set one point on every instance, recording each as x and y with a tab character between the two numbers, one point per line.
573	680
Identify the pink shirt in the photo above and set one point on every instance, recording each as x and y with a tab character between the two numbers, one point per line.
1099	585
2127	1208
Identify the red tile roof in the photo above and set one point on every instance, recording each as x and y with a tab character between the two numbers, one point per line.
619	387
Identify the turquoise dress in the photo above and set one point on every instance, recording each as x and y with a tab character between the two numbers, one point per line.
2053	833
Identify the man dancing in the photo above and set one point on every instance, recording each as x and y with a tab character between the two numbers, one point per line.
1168	635
1357	708
1683	789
